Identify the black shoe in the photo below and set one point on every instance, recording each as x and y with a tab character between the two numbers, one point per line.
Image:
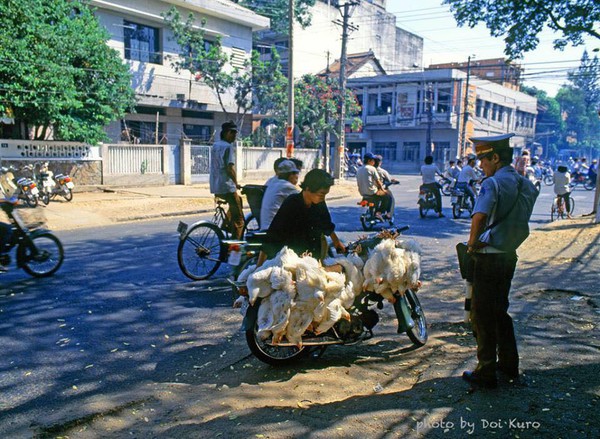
512	378
488	383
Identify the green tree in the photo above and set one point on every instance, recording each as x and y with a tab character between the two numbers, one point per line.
520	21
550	126
257	84
580	100
57	74
278	12
316	100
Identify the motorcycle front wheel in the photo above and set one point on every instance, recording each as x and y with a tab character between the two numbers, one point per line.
199	252
45	198
43	256
273	355
418	333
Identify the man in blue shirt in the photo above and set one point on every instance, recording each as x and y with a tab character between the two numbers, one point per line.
495	220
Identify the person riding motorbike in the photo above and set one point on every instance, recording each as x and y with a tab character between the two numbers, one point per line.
428	173
371	188
387	180
467	177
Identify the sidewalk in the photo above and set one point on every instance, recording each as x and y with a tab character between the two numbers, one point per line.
101	206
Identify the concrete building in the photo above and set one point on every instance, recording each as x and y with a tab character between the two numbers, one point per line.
179	103
320	44
499	70
400	112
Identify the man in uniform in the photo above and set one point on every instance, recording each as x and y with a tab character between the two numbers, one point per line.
223	179
494	222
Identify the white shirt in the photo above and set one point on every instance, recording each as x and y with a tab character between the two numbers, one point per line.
277	191
467	174
222	154
561	183
366	178
429	172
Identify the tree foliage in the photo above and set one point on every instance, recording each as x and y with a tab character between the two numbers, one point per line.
580	100
316	100
278	12
57	74
520	22
550	126
257	84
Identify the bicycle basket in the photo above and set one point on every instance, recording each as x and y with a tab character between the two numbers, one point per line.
254	194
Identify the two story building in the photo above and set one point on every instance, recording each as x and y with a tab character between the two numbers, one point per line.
400	113
173	104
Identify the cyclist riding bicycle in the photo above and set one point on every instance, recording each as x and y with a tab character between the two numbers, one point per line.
562	178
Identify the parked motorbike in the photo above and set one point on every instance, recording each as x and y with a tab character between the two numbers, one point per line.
426	201
63	187
39	253
22	188
363	318
369	218
460	203
46	183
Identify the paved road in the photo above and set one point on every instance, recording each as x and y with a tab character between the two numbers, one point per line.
119	318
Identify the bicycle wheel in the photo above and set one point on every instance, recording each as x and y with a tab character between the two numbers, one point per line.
553	211
572	202
199	252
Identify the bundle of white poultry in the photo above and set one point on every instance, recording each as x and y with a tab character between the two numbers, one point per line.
299	294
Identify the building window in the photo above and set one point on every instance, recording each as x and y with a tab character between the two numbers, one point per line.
142	43
443	100
386	149
486	110
441	152
479	108
411	152
198	133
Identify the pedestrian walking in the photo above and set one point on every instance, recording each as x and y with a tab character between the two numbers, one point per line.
498	226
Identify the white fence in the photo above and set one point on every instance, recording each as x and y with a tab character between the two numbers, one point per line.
134	159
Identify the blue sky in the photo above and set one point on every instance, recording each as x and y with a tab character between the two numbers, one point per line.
444	41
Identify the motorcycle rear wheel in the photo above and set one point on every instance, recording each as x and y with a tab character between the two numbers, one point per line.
588	185
68	194
422	211
456	211
31	201
367	224
44	258
418	333
273	355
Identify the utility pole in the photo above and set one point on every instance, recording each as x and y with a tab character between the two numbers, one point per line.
428	149
289	137
338	171
463	145
327	140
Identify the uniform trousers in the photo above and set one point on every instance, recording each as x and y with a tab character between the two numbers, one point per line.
492	325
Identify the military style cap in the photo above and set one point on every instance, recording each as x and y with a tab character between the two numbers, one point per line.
485	145
229	126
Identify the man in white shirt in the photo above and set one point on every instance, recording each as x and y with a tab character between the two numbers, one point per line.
467	177
277	191
371	188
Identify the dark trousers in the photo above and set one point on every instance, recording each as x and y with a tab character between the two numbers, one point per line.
567	198
492	325
235	214
435	188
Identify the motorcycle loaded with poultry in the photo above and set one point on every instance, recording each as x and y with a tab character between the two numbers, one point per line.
293	305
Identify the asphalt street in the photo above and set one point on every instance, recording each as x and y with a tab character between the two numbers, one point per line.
119	317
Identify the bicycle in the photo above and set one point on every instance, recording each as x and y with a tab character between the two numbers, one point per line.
205	245
558	210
